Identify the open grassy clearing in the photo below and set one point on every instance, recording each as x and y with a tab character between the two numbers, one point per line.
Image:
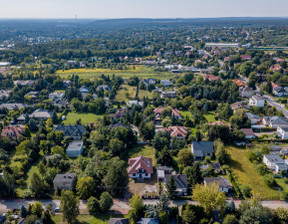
142	150
139	71
127	93
86	118
88	219
210	117
247	174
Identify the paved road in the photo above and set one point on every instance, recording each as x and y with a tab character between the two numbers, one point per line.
119	205
279	107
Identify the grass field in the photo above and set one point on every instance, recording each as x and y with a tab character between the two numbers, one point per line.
210	117
143	150
127	93
87	219
86	118
247	174
139	71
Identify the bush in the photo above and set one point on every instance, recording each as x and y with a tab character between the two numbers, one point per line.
270	181
93	206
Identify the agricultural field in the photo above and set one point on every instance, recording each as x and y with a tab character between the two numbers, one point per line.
247	174
86	118
127	93
139	71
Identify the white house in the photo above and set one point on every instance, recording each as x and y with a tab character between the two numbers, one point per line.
130	103
282	132
165	82
246	92
275	163
140	168
254	118
74	149
256	101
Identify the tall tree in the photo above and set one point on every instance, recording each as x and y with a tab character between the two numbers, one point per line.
171	188
69	204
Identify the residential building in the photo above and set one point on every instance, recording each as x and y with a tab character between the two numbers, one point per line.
245	57
56	95
246	92
12	106
118	221
41	114
74	149
168	94
248	132
162	171
148	221
282	132
67	83
238	106
180	181
130	103
211	77
201	149
280	91
12	131
224	184
84	89
257	101
254	118
275	121
179	132
33	94
72	131
120	113
151	81
174	112
275	163
223	45
140	168
165	82
4	94
103	88
24	82
64	181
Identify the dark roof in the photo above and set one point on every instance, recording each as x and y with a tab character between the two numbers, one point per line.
118	221
222	182
180	180
202	147
148	221
215	166
67	177
71	130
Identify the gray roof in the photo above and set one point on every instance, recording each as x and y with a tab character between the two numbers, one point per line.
148	221
12	106
203	147
75	145
252	116
222	182
41	113
68	177
180	180
274	158
276	120
71	130
118	221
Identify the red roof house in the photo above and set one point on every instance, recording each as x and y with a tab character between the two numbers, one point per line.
179	132
12	131
140	168
211	77
245	57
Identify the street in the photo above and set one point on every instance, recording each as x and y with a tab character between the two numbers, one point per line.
279	107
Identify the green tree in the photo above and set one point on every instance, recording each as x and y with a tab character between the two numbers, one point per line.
46	217
105	202
258	214
188	216
136	203
85	187
93	206
27	132
37	209
69	205
185	157
171	188
209	197
282	214
194	175
23	212
230	219
37	185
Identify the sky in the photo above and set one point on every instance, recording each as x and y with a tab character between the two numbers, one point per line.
142	8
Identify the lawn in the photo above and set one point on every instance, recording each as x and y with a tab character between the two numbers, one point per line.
139	71
210	117
127	93
87	219
143	150
86	118
247	174
185	113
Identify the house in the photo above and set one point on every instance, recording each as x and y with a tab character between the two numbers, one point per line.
103	88
118	221
275	163
158	112
24	82
33	94
120	113
148	221
41	114
84	89
201	149
60	103
150	81
279	91
12	106
275	121
67	83
12	131
56	96
165	82
180	182
72	131
162	171
256	101
224	184
282	132
219	123
64	181
254	118
168	94
246	92
179	132
237	106
239	82
130	103
140	168
245	57
216	167
4	94
74	149
211	77
248	132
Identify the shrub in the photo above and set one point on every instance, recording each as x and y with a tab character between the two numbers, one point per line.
269	181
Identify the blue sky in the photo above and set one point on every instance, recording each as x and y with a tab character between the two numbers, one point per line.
142	8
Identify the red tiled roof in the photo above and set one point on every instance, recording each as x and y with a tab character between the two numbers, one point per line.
160	110
140	162
211	77
247	131
12	131
245	56
176	131
239	82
